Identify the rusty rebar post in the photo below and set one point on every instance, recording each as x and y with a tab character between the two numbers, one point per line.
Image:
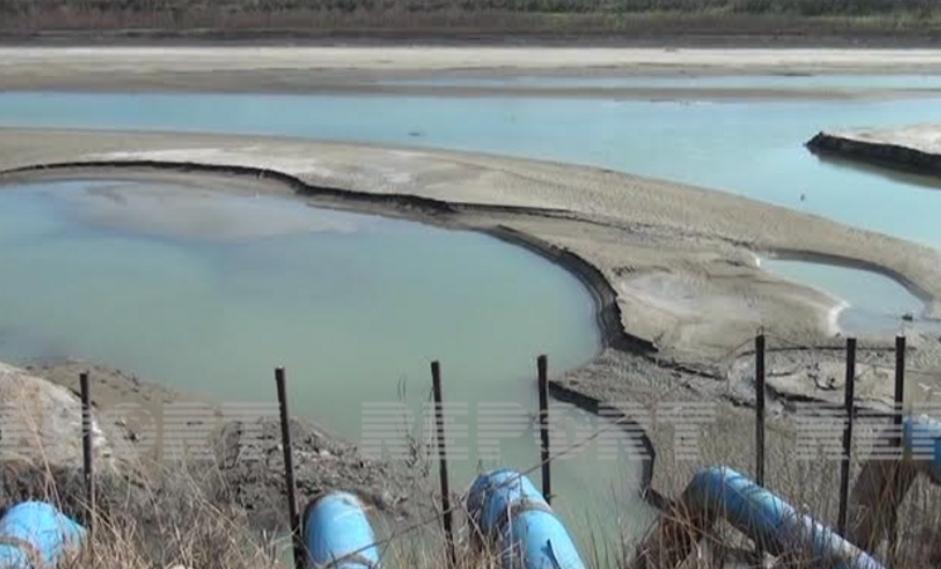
88	471
759	426
760	409
293	519
542	367
897	477
849	403
446	516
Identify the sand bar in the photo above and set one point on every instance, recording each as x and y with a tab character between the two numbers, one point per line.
678	262
363	68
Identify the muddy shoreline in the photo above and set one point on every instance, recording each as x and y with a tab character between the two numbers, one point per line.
370	87
905	149
134	417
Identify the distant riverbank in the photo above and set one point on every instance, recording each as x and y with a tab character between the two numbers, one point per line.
369	68
711	22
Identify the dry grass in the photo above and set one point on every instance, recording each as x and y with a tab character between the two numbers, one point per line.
918	544
811	486
187	516
177	516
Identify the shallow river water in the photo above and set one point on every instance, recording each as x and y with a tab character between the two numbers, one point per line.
752	148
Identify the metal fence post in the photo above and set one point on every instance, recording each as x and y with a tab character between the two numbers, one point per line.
892	529
542	365
293	519
87	458
443	462
849	402
760	409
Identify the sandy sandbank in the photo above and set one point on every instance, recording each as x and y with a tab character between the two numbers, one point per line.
363	69
678	262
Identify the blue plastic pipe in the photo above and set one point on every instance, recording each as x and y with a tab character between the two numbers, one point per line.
338	534
37	529
767	519
883	484
922	437
512	514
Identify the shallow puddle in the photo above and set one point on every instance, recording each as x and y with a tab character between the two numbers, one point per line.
870	303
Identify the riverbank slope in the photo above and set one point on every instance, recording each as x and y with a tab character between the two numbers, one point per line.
137	440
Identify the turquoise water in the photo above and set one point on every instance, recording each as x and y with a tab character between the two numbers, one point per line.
356	301
208	291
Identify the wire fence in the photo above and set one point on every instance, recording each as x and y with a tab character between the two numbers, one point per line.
873	358
462	498
834	353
